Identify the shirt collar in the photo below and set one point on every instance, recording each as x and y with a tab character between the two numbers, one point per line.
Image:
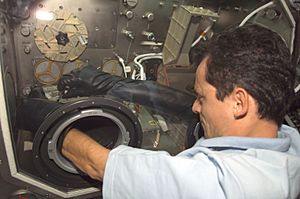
281	143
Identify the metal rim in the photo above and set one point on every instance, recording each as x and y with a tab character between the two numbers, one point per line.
63	163
47	168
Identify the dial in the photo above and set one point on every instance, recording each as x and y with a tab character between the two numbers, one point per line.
130	3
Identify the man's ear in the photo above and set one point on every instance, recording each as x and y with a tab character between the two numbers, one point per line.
240	102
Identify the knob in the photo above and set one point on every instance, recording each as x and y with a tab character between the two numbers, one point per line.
128	33
272	14
150	35
62	38
25	30
129	14
130	3
149	16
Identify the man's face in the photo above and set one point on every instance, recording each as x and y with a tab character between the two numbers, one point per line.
215	116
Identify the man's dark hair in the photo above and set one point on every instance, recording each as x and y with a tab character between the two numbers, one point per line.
256	59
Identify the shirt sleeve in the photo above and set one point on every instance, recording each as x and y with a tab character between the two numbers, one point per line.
136	173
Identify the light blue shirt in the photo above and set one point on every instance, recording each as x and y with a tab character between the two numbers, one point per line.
223	167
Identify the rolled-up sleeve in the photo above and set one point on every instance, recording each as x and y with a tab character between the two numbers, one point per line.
137	173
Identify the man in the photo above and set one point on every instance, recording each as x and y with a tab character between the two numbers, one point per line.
243	87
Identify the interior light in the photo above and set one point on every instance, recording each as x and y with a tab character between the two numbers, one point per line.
44	15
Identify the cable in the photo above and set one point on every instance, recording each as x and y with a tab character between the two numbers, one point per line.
138	63
140	59
142	71
147	58
202	35
297	88
255	12
121	60
129	47
152	57
133	74
146	55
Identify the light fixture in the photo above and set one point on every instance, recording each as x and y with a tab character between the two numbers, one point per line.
44	15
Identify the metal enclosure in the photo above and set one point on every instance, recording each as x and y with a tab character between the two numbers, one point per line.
41	40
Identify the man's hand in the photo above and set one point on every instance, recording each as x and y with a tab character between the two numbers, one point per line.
89	156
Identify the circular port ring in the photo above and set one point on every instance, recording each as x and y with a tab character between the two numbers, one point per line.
51	165
53	149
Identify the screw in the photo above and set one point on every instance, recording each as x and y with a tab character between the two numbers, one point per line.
26	90
27	49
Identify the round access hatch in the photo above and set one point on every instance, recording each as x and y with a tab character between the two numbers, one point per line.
63	39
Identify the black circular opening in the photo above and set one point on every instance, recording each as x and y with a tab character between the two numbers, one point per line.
108	122
103	130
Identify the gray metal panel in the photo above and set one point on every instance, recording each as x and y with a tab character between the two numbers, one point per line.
281	21
105	20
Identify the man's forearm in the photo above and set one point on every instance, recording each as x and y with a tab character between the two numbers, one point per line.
85	153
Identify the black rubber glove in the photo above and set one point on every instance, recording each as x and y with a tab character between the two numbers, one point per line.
86	82
90	81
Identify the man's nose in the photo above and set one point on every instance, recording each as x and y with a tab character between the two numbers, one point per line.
196	107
